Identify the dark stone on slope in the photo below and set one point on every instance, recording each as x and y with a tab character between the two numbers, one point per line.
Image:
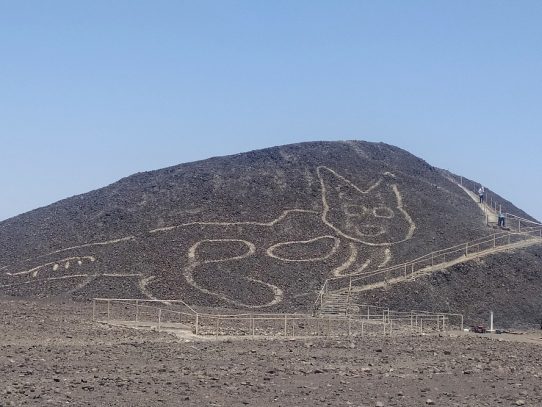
248	230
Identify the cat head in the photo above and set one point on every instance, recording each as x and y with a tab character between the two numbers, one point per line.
374	216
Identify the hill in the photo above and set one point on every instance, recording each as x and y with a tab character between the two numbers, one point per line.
258	230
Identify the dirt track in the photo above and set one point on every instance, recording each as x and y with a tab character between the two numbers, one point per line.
51	354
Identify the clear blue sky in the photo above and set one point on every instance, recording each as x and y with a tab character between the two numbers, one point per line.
92	91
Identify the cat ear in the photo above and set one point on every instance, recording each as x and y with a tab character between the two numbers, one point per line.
337	189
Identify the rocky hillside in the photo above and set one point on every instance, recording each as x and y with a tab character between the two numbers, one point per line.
258	230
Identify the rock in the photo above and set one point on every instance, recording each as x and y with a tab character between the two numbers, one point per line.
520	402
429	402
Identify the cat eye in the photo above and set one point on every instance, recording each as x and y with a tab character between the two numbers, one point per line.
383	212
355	210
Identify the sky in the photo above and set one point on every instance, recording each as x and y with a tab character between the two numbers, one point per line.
93	91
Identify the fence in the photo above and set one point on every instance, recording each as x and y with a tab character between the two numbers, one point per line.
492	203
408	269
135	313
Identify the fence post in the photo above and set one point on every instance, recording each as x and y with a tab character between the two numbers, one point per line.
466	249
362	330
368	312
217	326
253	328
405	271
197	324
349	327
494	240
159	317
108	310
285	326
137	311
94	309
432	263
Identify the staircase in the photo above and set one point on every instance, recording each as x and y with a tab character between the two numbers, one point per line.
335	304
335	296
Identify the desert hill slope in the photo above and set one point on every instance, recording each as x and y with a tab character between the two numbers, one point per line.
258	230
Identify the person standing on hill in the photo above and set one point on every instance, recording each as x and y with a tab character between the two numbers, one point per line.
501	219
481	193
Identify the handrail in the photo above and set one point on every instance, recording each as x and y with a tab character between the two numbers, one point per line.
463	248
210	324
137	300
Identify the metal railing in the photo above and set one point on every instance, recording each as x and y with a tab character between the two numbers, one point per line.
437	258
127	312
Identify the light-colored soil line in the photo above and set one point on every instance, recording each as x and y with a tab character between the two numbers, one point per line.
429	270
492	216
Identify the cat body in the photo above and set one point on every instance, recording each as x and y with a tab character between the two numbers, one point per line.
241	263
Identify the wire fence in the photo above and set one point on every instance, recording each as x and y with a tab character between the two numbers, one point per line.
442	257
137	314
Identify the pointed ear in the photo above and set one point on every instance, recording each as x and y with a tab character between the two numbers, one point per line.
336	188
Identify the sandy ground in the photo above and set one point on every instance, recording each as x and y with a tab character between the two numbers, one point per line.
52	354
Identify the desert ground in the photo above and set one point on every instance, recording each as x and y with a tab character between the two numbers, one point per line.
51	353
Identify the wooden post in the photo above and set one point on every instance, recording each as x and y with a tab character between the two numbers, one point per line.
197	324
293	326
432	261
137	311
405	271
362	330
349	327
94	309
108	310
368	312
494	240
285	325
253	326
466	249
159	317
